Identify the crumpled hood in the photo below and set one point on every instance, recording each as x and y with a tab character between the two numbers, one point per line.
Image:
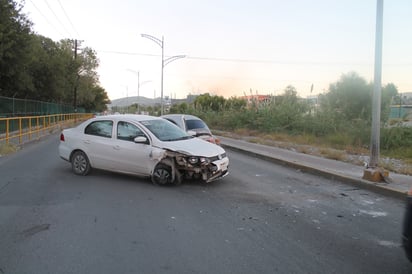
194	146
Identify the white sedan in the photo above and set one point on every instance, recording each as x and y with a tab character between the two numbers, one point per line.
141	145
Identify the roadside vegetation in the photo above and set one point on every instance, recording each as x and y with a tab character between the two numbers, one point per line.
336	125
6	149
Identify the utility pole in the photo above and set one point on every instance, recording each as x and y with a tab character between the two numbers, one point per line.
76	48
76	80
138	91
373	173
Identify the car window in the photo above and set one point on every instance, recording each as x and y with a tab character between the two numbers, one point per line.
127	131
170	120
194	124
100	128
177	120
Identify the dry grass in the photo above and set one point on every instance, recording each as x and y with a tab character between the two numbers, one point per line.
356	150
316	146
333	154
6	149
404	170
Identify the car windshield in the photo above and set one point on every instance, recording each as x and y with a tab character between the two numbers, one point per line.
165	130
195	124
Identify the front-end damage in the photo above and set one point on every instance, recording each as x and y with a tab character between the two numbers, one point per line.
183	166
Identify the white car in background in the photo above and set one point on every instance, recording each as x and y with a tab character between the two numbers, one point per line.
141	145
193	125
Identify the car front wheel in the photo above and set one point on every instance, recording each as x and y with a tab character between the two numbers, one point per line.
80	163
162	175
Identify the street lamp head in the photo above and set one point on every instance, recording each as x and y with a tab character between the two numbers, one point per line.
172	58
164	62
154	39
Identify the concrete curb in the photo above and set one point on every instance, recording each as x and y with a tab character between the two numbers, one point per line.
381	188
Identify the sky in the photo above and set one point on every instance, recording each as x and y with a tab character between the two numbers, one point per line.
231	47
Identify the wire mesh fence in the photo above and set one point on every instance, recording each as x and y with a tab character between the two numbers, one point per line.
15	107
22	119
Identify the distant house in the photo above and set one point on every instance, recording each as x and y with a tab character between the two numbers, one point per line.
400	111
257	99
401	107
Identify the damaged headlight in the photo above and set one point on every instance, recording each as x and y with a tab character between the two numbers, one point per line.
193	160
197	160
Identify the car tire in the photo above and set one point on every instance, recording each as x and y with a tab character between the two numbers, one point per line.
80	163
162	175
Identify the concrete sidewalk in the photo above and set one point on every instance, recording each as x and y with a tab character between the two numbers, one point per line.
397	187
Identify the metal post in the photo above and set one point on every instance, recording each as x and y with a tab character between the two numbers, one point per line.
376	103
139	84
138	91
373	172
161	84
164	63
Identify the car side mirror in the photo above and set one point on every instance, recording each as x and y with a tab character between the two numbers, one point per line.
191	132
141	140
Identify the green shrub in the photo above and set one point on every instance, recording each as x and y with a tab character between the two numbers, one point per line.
396	137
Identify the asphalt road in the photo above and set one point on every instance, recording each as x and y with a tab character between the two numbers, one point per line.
262	218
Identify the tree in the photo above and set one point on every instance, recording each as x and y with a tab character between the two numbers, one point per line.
235	103
288	110
180	108
349	98
290	96
50	67
35	67
205	102
97	100
15	39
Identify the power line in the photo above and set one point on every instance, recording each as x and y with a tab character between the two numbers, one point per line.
47	20
128	53
57	18
68	19
236	60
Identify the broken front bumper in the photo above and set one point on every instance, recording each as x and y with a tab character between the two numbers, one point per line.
218	170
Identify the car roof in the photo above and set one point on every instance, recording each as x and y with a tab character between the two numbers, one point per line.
186	116
132	117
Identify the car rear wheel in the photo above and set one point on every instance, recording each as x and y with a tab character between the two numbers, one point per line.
162	175
80	163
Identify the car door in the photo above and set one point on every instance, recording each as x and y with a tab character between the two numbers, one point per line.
98	143
129	156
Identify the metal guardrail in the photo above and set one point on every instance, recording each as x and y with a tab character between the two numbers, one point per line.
18	130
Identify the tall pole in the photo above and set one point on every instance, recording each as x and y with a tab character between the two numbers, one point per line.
161	81
138	90
75	84
376	102
138	86
164	63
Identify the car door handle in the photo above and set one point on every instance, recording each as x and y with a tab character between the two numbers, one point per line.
116	147
86	142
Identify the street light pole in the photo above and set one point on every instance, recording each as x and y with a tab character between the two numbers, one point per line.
376	107
374	173
164	63
138	91
138	86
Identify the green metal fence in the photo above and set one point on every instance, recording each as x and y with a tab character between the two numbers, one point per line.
15	107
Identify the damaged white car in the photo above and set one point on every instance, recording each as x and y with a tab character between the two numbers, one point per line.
144	146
